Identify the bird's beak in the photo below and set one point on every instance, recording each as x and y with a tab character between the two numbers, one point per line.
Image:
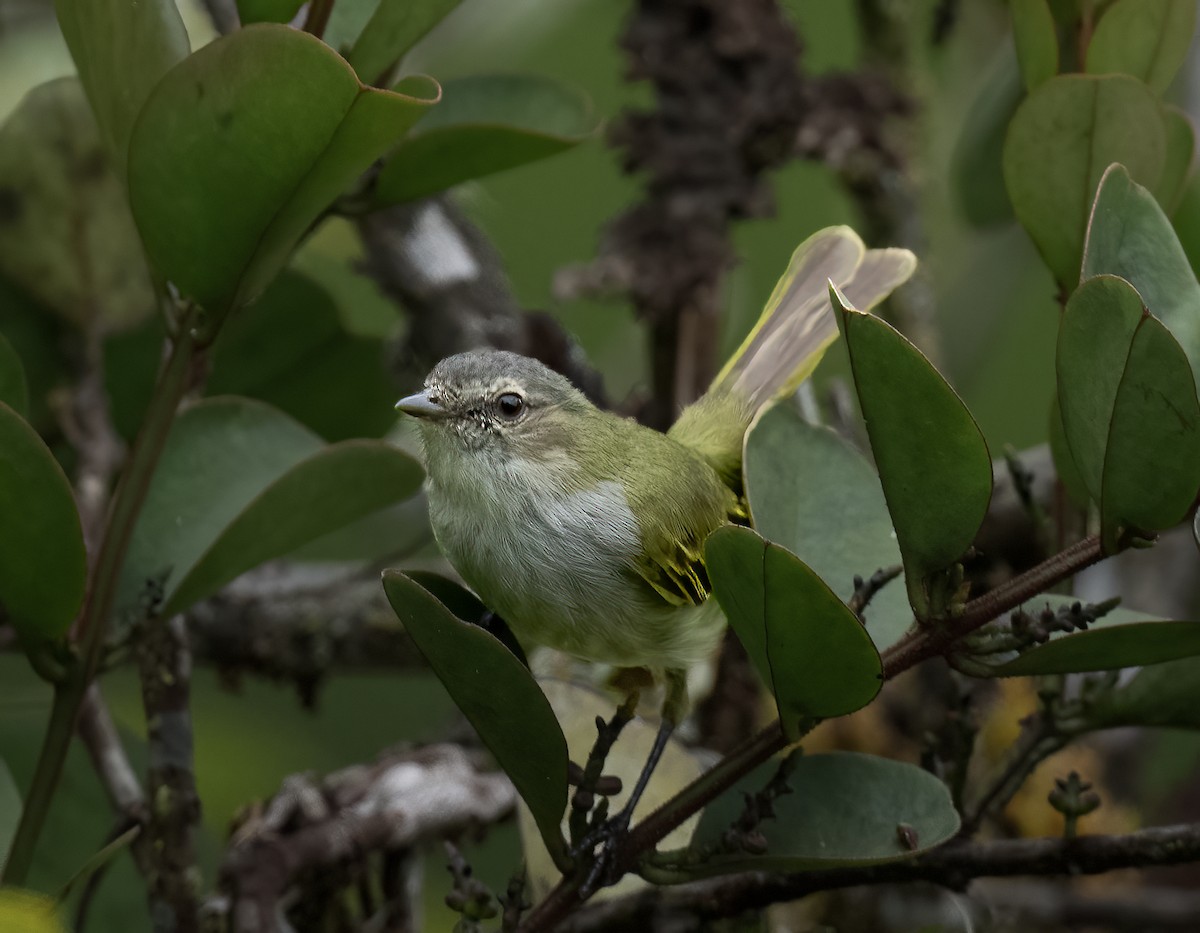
421	406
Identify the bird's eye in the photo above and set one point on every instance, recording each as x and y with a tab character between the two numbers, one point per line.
510	405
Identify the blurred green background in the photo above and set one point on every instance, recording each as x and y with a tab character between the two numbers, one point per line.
995	312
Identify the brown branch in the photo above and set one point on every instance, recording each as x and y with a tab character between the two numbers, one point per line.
296	623
164	667
953	866
935	638
449	278
404	798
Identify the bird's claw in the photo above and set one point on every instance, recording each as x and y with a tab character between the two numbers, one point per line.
602	870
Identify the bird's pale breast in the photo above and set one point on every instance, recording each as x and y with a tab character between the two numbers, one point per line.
558	565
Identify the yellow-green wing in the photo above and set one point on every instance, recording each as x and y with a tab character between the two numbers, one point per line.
673	563
678	575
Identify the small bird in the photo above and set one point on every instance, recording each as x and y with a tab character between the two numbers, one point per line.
584	530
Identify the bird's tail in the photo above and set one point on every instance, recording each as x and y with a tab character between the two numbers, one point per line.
789	339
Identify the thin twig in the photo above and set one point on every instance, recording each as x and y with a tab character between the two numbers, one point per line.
952	866
865	590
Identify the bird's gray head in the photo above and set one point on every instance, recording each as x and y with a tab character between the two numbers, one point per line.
494	400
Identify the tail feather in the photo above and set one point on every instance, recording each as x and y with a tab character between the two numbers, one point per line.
797	323
786	344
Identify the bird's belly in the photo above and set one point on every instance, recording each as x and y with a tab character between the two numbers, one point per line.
560	573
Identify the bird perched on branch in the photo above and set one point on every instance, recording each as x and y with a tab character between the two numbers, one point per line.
585	530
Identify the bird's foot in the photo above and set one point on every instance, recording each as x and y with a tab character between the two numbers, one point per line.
608	836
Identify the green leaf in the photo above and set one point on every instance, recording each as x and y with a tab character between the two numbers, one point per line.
933	463
42	561
66	235
1160	695
1094	336
1130	236
391	534
13	390
292	350
1036	38
268	11
1148	39
1129	408
1064	462
1107	649
346	23
810	649
242	146
240	483
844	809
1152	465
484	124
332	488
10	807
498	696
458	599
1181	151
1062	138
121	50
394	27
976	173
842	531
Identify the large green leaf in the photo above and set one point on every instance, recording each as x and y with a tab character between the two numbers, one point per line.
1148	39
810	649
1129	408
1130	236
844	809
1036	38
1059	143
42	560
933	463
484	124
817	496
498	696
14	392
332	488
292	349
242	146
1152	465
240	483
66	235
1093	344
121	50
394	27
1108	648
1160	695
